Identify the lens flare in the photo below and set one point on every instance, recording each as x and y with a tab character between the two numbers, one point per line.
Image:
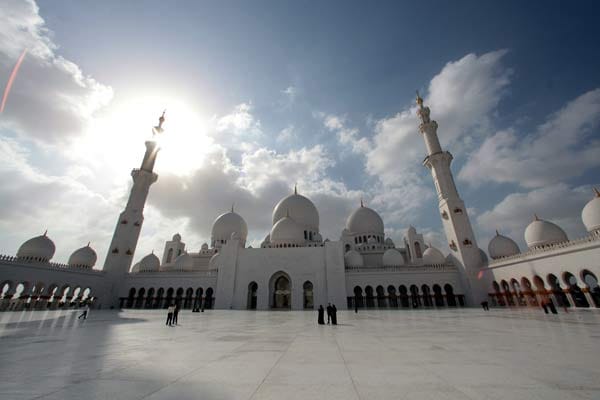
11	79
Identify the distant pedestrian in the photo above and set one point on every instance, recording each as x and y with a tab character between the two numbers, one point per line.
170	311
321	318
175	314
485	305
355	305
329	310
333	315
84	314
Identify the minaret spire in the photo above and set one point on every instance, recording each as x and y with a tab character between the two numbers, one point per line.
127	231
295	188
457	226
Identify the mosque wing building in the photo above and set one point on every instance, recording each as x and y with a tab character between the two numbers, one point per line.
295	269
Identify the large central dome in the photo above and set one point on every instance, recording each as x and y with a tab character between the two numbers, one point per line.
300	209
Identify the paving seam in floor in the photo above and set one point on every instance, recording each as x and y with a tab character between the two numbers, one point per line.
346	367
273	367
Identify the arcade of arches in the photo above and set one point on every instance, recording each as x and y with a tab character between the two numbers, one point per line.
563	291
152	298
40	296
412	296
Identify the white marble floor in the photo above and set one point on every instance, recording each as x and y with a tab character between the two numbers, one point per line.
389	354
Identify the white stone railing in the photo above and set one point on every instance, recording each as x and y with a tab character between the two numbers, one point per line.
545	249
5	259
211	272
405	268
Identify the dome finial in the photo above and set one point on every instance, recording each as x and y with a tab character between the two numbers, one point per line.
497	233
88	245
535	217
361	202
419	100
46	232
295	188
152	251
232	204
597	192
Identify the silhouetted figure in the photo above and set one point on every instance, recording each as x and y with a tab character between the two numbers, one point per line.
170	315
333	315
84	314
175	314
328	313
355	305
544	306
485	305
551	306
321	319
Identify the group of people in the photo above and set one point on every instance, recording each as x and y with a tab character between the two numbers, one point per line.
331	315
172	314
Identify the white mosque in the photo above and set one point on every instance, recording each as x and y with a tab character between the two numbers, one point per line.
296	269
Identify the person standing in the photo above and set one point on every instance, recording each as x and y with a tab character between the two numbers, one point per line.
321	319
333	315
355	304
170	315
175	314
84	314
328	313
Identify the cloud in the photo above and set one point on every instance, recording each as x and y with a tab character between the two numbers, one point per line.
564	146
346	136
71	212
290	92
287	134
48	86
558	203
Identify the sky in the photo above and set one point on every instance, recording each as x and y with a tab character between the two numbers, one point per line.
265	95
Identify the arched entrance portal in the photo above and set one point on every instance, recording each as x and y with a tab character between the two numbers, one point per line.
281	291
252	296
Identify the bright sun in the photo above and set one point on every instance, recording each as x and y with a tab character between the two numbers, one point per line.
117	136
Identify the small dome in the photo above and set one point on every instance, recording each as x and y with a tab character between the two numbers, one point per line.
392	258
214	260
204	247
39	248
352	258
389	242
84	257
225	225
591	213
136	268
287	231
502	246
318	237
300	208
184	262
149	263
177	237
433	256
542	233
364	220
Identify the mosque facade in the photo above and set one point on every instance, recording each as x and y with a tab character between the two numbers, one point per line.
295	268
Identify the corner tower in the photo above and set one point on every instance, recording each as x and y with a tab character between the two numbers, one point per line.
455	219
129	225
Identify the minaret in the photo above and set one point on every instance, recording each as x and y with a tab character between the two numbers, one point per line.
129	225
455	219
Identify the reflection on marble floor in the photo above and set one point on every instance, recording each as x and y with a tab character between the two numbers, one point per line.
416	354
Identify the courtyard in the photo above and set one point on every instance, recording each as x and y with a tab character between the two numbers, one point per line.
375	354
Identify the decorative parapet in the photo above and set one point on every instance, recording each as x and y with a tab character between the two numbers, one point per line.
5	259
562	247
407	268
211	272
